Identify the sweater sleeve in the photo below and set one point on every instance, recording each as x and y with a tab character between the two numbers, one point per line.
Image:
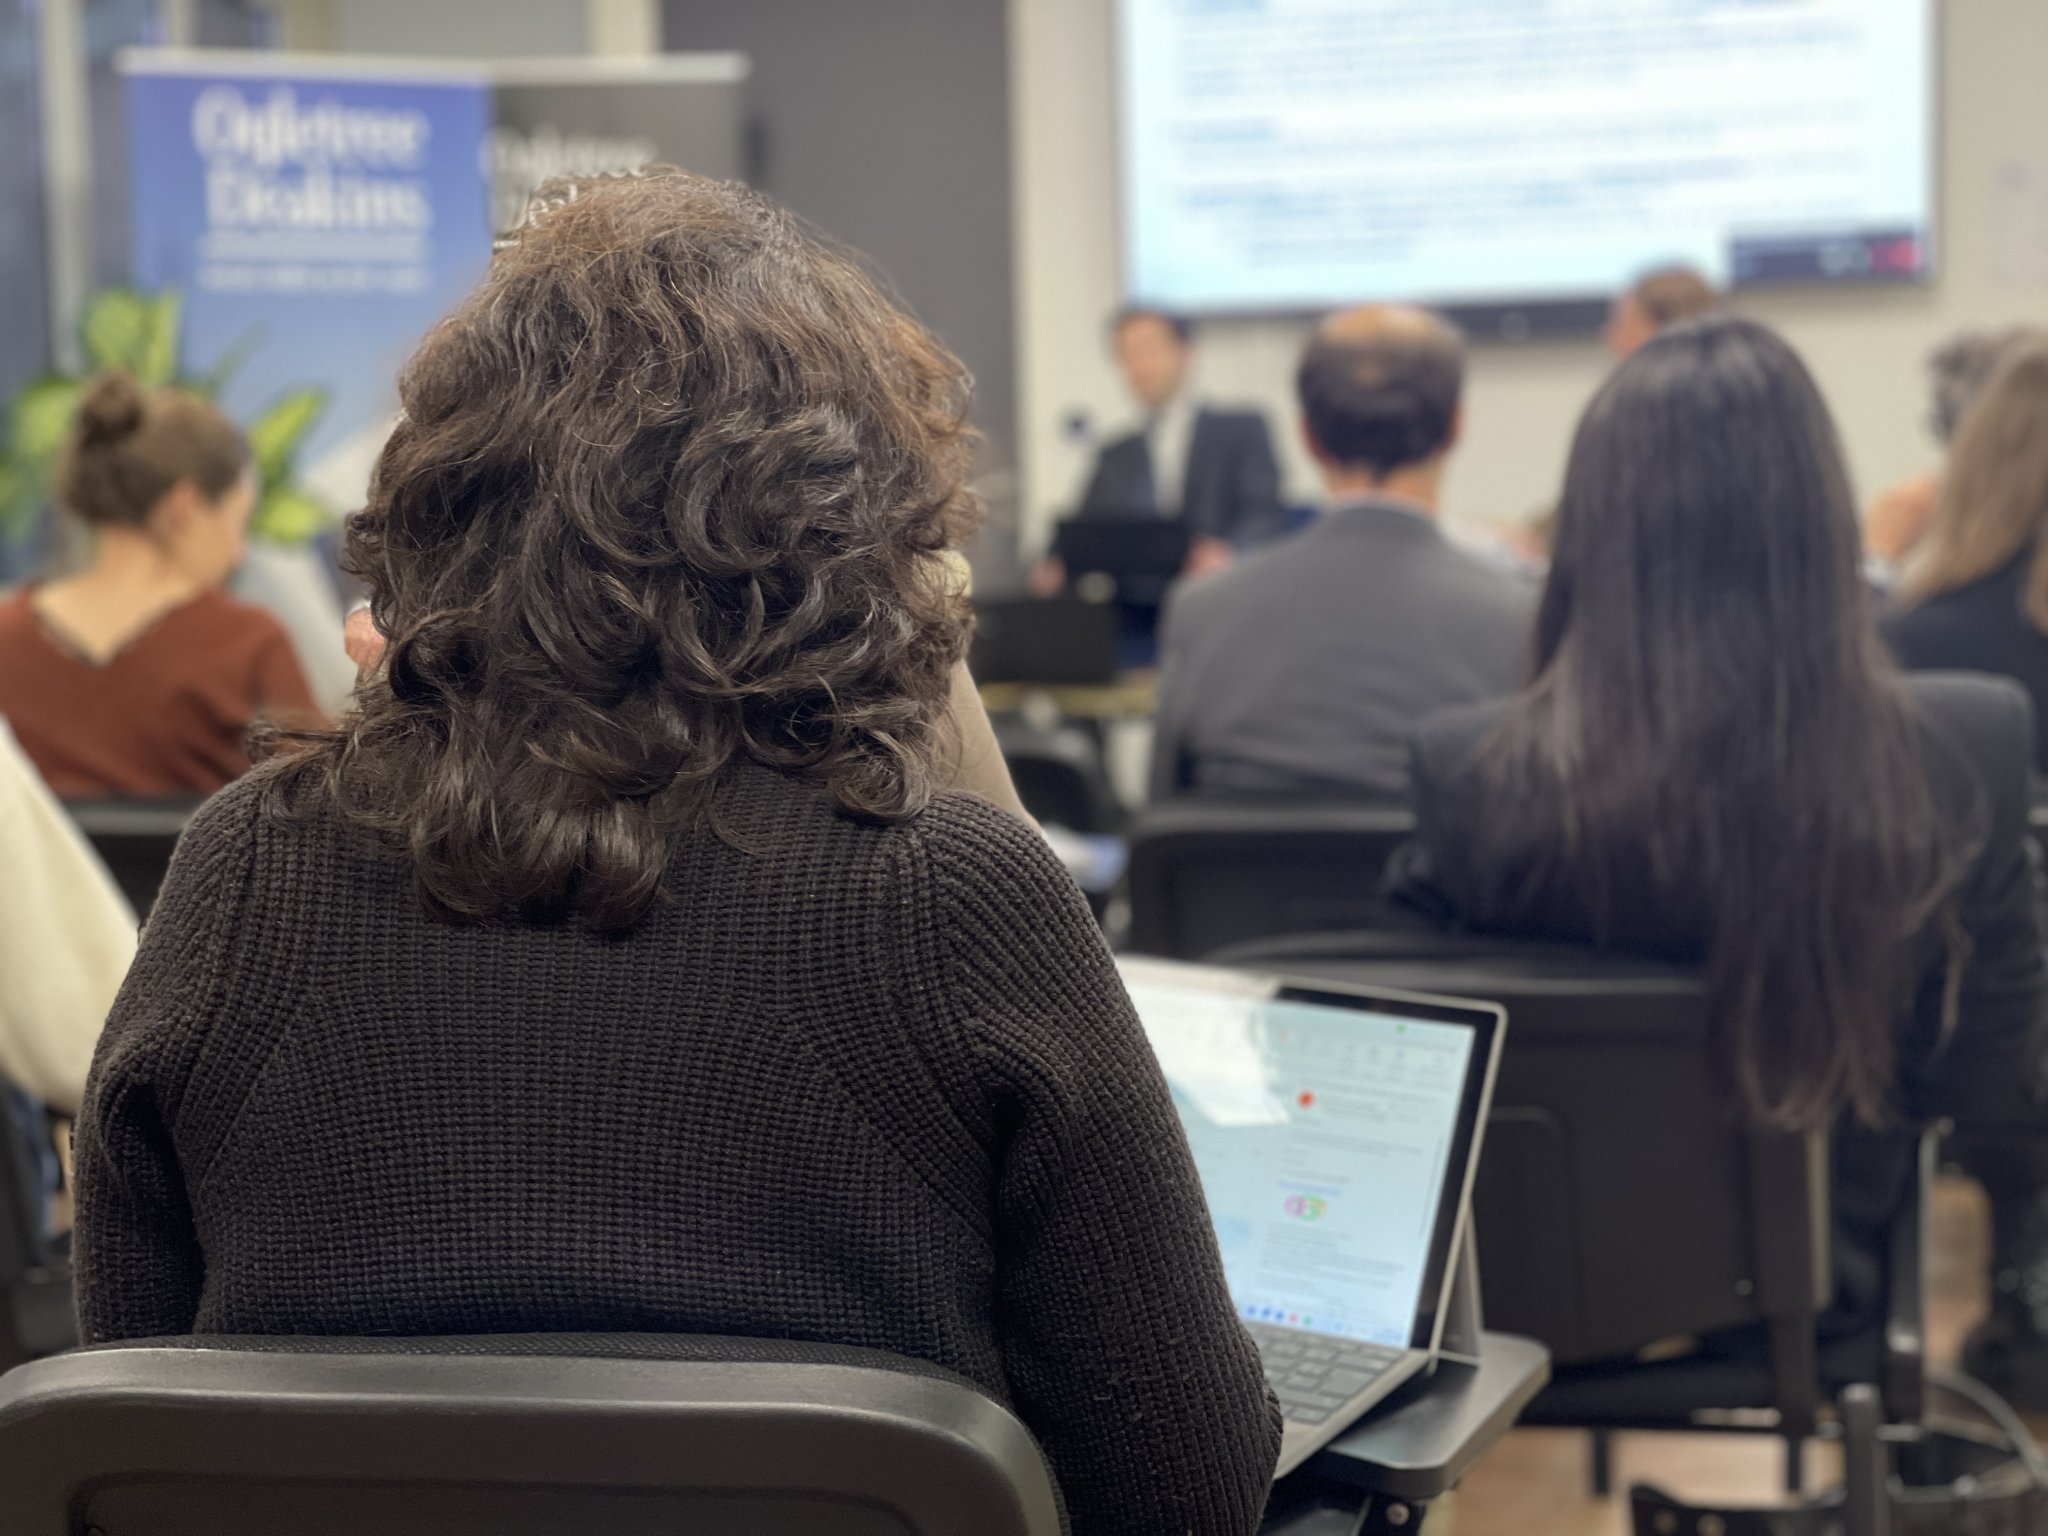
137	1259
1119	1339
66	937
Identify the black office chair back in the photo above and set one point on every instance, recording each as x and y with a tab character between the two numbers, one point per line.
35	1284
1206	874
1620	1200
549	1435
1060	776
134	839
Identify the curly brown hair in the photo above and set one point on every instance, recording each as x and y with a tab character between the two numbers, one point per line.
669	494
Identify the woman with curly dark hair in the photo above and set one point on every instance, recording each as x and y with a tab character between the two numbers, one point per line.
623	961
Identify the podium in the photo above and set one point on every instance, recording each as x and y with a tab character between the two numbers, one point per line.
1381	1474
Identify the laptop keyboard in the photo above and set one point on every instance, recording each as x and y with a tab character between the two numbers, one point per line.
1313	1374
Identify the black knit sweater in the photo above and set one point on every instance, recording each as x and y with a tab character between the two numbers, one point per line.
875	1085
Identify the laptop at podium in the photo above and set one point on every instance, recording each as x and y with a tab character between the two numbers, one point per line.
1336	1131
1145	551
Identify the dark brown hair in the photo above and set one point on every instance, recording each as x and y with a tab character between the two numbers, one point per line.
129	446
1382	393
668	494
1182	327
1994	492
1671	295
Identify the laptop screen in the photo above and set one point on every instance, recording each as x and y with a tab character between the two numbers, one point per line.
1332	1134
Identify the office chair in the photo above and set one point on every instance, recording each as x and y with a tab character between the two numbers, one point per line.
36	1316
1621	1204
1206	873
1060	776
134	839
534	1435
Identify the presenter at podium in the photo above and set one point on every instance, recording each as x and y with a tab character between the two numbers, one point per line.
1212	469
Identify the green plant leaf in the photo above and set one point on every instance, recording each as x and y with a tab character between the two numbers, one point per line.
156	357
228	364
115	329
40	418
287	515
275	435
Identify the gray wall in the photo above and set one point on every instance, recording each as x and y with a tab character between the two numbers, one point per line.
436	29
886	123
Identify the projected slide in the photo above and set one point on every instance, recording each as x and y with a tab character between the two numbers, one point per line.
1293	154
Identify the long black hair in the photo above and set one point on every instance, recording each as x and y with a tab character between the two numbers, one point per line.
1715	721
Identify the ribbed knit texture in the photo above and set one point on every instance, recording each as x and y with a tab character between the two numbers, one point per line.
872	1085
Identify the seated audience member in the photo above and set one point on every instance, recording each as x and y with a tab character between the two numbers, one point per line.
1717	763
1212	469
1976	595
1305	670
1901	514
138	676
1655	302
659	984
66	937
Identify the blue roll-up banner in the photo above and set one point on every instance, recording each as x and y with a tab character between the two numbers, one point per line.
316	221
308	220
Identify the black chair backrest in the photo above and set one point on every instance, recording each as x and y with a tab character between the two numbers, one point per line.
1053	640
134	839
1620	1200
558	1435
1206	873
1060	776
25	1250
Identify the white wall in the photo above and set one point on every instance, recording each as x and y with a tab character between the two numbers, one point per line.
1866	346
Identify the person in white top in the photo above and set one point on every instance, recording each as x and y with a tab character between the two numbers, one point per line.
66	938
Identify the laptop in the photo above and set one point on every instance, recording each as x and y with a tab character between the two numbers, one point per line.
1336	1130
1125	548
1052	640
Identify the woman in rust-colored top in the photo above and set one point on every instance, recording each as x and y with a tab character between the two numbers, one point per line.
138	676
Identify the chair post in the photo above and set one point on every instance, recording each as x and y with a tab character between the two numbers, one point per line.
1866	1483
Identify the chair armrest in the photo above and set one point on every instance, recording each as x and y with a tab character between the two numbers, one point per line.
1904	1365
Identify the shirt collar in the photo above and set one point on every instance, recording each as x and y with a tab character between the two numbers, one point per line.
1380	501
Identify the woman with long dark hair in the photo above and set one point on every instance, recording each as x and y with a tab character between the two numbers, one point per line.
1716	762
623	961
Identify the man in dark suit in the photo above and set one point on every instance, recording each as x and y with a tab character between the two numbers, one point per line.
1305	669
1212	469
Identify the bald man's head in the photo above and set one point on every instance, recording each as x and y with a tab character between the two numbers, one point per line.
1379	388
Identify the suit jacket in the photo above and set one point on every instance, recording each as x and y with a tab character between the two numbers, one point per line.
1979	628
1231	489
1307	668
1976	738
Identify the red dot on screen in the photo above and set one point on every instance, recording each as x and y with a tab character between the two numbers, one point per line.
1305	1099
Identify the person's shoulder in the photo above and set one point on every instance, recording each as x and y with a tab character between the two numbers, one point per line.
966	831
1222	603
990	867
235	619
16	614
1487	578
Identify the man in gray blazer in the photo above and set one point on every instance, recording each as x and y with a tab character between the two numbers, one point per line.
1304	670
